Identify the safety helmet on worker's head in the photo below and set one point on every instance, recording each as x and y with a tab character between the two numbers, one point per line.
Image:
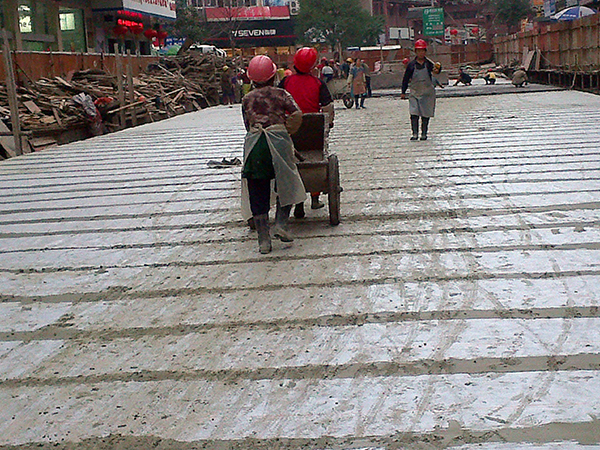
261	69
405	61
349	60
305	59
420	44
225	68
438	65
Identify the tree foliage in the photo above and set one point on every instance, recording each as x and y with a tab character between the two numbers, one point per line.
339	23
511	12
190	23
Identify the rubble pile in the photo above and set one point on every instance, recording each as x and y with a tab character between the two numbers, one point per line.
52	107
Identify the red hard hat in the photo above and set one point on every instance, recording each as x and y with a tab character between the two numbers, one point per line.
405	61
305	59
261	69
421	44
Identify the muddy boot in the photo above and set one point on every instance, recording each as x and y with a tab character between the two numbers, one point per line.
281	219
299	211
315	203
414	124
264	239
424	128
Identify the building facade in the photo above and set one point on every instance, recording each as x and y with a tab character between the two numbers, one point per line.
248	27
86	26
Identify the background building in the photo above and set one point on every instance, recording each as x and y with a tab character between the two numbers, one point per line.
251	26
83	25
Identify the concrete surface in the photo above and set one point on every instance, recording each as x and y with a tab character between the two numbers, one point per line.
455	306
478	88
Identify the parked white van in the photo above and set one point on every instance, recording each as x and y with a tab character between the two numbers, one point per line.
204	48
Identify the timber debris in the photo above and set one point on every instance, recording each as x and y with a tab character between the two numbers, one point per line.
57	110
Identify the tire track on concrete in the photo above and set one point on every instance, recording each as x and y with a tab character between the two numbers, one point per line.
547	365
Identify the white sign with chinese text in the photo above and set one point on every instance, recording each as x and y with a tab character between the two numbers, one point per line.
161	8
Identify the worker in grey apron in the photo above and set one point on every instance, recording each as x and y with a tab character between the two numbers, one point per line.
422	91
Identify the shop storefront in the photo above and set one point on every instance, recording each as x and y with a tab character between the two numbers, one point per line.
134	25
257	33
253	30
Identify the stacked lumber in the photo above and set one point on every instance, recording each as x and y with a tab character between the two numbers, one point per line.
171	86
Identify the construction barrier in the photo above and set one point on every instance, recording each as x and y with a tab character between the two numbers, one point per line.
565	46
31	66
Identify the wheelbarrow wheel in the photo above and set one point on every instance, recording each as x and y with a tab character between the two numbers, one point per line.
334	190
348	100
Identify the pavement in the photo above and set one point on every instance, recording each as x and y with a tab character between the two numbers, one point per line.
455	306
477	88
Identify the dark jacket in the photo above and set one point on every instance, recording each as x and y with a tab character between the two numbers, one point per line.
410	69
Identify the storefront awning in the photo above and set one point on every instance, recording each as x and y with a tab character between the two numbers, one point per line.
258	33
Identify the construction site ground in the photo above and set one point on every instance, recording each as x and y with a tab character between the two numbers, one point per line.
454	307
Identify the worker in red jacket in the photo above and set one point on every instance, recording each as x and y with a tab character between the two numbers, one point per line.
312	96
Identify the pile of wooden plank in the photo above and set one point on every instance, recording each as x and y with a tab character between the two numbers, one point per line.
171	86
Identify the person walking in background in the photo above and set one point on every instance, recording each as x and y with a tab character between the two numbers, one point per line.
270	114
345	68
421	100
227	87
326	72
367	79
246	82
357	81
336	68
312	96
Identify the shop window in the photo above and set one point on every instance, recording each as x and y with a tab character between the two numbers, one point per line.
25	17
67	21
33	17
72	28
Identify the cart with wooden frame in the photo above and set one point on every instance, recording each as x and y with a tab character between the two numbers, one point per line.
318	169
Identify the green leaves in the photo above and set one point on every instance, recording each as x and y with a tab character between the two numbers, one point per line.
510	12
339	23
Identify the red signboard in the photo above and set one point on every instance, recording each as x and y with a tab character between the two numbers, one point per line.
247	13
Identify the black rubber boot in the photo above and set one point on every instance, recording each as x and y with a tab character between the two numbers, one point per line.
414	124
315	203
424	128
281	219
299	211
264	238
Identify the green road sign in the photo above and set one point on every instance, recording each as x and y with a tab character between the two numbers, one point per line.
433	21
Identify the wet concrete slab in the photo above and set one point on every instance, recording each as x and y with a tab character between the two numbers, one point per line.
456	305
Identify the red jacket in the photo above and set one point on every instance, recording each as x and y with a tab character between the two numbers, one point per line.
309	92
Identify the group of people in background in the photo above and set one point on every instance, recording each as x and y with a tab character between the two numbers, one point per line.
234	86
272	111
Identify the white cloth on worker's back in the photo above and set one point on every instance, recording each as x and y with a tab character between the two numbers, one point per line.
289	185
421	100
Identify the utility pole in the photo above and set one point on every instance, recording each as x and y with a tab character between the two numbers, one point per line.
11	87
